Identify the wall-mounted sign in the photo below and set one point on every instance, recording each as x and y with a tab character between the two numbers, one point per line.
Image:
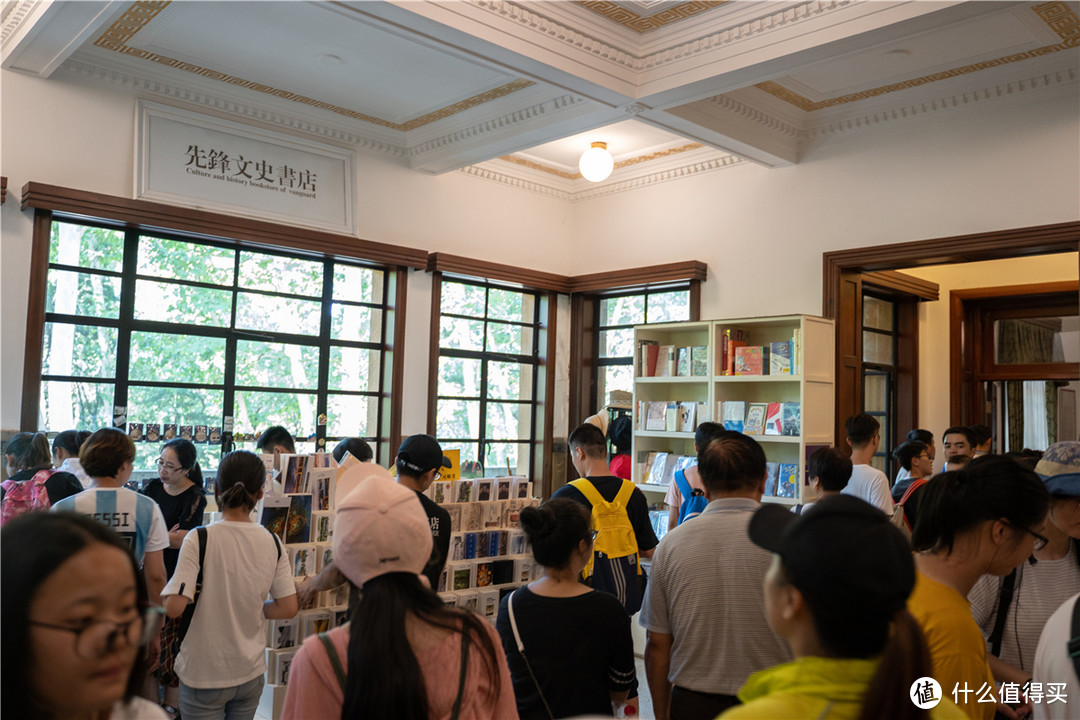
185	158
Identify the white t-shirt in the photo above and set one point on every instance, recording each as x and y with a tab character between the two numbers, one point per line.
1053	665
135	517
73	466
138	709
226	642
871	485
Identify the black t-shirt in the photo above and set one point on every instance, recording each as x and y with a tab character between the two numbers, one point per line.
580	649
637	508
185	510
59	485
440	533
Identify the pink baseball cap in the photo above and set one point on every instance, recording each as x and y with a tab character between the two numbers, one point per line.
381	527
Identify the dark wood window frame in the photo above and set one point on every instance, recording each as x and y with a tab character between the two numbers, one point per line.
190	224
842	277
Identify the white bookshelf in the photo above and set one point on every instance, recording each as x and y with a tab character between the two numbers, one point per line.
813	388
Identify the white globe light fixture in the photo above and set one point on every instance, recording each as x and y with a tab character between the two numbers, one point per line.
596	163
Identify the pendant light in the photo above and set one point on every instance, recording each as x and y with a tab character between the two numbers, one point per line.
596	163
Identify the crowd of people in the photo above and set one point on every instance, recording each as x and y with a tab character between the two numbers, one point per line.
121	604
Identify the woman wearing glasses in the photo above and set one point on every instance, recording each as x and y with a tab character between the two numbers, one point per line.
74	620
1038	587
568	646
972	522
178	491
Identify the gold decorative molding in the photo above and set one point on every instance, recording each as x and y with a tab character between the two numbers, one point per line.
647	23
136	17
621	164
1057	15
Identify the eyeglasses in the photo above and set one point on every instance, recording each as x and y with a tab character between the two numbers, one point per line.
593	534
98	637
1040	540
167	466
438	474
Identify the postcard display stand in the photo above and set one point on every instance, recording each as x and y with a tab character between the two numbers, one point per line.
672	396
303	518
489	555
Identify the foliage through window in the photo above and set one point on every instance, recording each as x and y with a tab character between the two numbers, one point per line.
487	375
616	317
173	332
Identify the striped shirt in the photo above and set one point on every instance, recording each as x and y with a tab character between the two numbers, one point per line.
135	517
706	591
1040	589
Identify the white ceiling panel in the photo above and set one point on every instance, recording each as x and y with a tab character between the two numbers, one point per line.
303	48
624	140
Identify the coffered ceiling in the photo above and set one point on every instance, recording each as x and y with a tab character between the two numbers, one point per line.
515	91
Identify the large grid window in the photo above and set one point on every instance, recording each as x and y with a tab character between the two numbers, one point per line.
879	343
489	360
168	331
616	317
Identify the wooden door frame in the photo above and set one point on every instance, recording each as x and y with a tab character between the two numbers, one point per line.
1003	244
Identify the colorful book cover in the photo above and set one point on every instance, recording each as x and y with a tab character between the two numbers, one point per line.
659	465
298	527
657	417
772	419
169	432
733	347
791	419
755	418
699	361
682	362
749	360
734	415
275	514
687	416
780	358
788	483
772	476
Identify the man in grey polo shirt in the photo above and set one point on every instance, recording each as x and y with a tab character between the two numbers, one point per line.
705	606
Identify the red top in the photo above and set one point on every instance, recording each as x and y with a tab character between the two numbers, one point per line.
620	466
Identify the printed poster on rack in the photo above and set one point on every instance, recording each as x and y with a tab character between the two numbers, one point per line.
186	158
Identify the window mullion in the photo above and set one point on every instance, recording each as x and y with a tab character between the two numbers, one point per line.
322	401
127	315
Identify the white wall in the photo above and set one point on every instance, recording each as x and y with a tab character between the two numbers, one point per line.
762	232
934	318
82	136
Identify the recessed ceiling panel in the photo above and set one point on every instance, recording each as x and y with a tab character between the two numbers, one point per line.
978	40
625	140
300	47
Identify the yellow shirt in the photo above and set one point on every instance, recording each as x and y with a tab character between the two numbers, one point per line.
957	646
816	687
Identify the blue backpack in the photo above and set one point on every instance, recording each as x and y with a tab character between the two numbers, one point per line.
694	501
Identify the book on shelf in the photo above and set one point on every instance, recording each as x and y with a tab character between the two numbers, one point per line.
682	362
657	417
772	419
687	416
791	419
751	360
658	468
702	413
787	483
755	418
645	463
730	338
796	352
733	414
772	475
780	358
699	361
671	417
665	363
648	352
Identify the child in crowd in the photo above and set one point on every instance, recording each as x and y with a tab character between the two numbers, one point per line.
403	654
837	593
75	621
32	484
972	522
222	658
569	647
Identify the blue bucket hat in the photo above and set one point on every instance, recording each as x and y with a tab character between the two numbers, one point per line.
1059	468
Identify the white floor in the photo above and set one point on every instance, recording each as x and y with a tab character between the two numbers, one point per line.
645	700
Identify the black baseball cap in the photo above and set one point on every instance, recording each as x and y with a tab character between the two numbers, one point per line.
421	453
842	550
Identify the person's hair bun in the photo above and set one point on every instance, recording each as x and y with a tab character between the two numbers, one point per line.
537	522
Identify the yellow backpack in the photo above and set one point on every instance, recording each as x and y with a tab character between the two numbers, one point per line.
614	534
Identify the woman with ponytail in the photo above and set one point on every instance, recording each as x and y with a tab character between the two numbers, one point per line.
222	657
837	593
976	521
403	655
32	484
569	647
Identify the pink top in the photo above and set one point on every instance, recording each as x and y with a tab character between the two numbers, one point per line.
314	692
620	466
